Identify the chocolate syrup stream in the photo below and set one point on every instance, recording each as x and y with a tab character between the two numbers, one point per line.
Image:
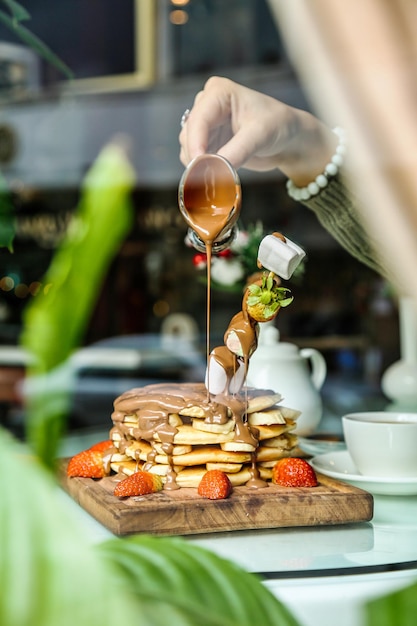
209	251
211	198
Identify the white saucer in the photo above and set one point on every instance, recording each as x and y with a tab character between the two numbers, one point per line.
316	446
339	465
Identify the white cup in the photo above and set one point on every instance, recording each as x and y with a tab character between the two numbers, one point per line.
382	444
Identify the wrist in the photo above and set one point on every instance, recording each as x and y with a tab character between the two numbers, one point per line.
309	149
329	171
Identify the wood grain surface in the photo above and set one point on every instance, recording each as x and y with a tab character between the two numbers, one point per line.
184	512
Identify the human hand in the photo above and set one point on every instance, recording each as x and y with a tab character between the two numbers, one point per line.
256	131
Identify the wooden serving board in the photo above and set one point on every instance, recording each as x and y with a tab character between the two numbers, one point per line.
184	512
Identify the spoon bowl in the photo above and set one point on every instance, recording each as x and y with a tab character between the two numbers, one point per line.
209	198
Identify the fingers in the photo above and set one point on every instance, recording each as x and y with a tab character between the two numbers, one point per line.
236	122
208	125
211	131
205	131
241	148
256	131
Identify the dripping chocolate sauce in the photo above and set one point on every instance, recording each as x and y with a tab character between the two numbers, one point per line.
210	195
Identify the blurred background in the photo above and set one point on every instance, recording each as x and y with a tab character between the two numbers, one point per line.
138	65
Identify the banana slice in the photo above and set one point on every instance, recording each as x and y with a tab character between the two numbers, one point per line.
261	403
266	418
277	442
126	467
162	470
237	446
210	427
188	435
201	455
175	451
193	411
174	420
268	432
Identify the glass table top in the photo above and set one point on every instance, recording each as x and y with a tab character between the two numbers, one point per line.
386	543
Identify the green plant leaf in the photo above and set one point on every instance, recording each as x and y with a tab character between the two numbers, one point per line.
7	223
265	297
254	290
54	323
35	43
285	302
49	572
18	12
194	585
395	609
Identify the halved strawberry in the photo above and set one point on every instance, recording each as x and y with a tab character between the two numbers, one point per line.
294	472
102	446
215	485
138	484
87	464
265	297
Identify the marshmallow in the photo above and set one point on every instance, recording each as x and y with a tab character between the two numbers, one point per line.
279	256
216	377
237	380
219	381
233	343
233	338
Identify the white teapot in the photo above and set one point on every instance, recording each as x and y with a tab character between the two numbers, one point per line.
297	375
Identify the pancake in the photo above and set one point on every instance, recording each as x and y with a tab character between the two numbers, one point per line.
176	430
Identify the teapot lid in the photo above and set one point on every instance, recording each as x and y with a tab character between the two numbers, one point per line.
270	336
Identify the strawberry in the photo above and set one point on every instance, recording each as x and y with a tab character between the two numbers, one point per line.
265	297
294	472
87	464
138	484
215	485
102	446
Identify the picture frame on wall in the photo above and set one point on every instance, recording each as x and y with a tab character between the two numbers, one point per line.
108	45
118	54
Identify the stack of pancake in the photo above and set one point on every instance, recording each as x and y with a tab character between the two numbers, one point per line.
178	432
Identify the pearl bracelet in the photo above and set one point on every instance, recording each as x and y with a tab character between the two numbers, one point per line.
322	180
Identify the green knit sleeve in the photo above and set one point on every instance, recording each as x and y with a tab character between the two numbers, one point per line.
335	209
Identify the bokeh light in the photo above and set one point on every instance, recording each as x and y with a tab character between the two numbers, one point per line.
21	290
178	17
34	288
161	308
7	283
